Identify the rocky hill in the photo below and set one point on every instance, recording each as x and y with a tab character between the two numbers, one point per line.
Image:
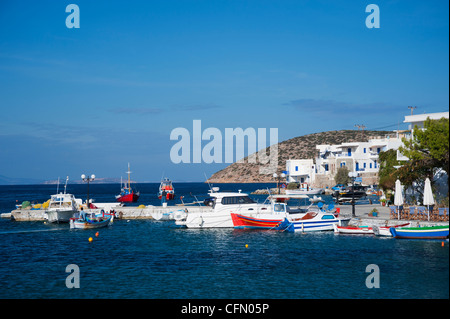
301	147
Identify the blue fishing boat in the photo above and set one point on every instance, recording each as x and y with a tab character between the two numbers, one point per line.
430	232
91	220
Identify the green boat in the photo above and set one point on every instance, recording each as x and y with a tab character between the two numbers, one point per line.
428	232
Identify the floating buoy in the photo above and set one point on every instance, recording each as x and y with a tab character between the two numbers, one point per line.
246	245
90	239
96	234
442	244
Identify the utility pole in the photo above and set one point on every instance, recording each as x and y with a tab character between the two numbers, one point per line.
412	108
361	127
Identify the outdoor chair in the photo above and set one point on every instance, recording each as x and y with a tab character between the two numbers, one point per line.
422	213
444	214
412	213
441	214
404	212
393	212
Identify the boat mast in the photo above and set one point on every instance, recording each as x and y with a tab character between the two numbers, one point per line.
129	185
65	186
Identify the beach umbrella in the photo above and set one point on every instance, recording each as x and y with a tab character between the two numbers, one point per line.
428	196
398	198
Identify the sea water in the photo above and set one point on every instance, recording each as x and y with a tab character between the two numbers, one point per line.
158	260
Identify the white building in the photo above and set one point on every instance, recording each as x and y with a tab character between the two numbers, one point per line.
359	157
419	119
301	171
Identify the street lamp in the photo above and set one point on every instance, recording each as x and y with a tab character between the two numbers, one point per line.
88	179
275	175
353	176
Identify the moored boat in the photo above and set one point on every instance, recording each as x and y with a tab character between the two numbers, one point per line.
305	189
89	220
61	208
357	230
166	190
315	221
127	194
218	208
385	230
427	232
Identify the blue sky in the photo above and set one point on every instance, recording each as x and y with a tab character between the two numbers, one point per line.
92	99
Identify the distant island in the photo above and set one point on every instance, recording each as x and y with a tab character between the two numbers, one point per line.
301	147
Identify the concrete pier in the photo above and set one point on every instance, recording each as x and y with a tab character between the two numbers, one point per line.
126	212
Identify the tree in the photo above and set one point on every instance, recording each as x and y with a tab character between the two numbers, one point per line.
427	150
428	155
341	176
388	173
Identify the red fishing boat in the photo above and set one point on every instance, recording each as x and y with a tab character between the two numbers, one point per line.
166	189
127	194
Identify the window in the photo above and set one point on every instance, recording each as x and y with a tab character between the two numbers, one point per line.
296	168
364	165
364	150
278	208
237	200
375	163
349	151
370	165
378	152
326	167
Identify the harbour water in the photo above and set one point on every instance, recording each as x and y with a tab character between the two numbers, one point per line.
156	260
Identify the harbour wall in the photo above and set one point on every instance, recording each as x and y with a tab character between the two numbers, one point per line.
362	214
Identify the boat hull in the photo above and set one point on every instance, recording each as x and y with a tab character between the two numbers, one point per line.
385	230
314	191
357	230
169	196
78	224
438	232
128	198
59	216
315	225
247	222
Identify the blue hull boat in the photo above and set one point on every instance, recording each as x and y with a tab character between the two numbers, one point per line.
431	232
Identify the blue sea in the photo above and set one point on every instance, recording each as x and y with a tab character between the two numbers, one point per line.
146	259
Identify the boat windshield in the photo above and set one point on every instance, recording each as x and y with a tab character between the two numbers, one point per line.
239	200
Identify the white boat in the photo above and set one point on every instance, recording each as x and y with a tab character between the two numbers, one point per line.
386	230
315	220
218	209
164	215
305	189
356	230
61	208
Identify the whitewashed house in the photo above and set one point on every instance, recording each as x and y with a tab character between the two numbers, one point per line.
358	157
301	171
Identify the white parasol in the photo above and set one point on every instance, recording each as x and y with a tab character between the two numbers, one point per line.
398	198
428	196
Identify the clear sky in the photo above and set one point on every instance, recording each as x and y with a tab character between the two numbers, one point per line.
91	99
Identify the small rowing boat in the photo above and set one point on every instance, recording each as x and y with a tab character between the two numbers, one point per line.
430	232
91	220
357	230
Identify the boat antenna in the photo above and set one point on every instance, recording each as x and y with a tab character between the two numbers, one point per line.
209	185
57	186
65	186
